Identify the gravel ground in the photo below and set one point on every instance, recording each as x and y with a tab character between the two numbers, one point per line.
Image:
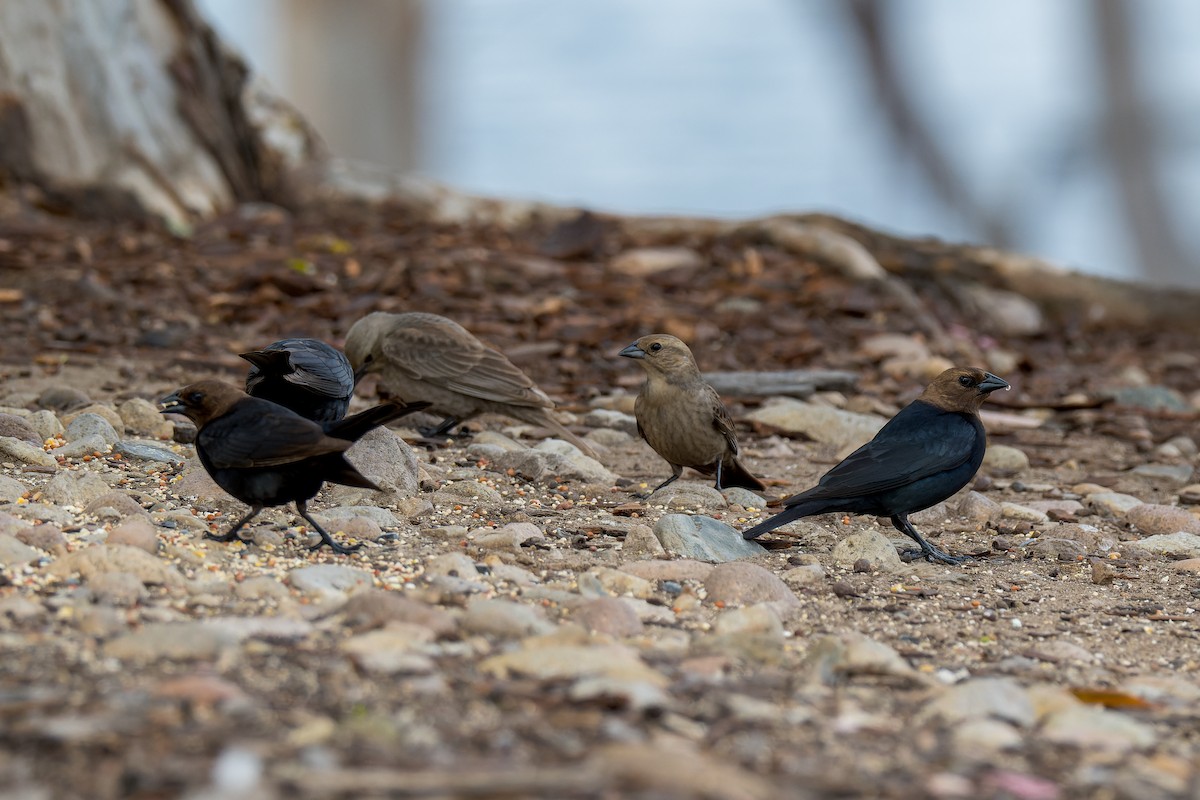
514	627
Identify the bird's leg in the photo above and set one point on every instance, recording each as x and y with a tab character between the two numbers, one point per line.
676	471
232	533
442	430
302	507
719	487
927	551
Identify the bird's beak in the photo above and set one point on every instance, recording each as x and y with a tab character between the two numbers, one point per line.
633	351
991	383
171	404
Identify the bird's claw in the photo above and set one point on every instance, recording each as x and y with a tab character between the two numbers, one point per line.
932	555
340	549
224	537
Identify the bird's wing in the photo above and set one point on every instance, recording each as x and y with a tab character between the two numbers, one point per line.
323	370
460	363
913	445
722	422
254	436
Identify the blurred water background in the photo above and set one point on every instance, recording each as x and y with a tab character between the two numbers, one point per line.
1063	129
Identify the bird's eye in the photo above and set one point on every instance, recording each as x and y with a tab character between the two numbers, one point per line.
194	398
654	348
966	381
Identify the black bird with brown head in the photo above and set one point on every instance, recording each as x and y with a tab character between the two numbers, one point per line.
922	456
267	455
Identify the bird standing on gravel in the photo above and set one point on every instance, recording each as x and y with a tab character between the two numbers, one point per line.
923	455
267	455
305	375
430	358
682	418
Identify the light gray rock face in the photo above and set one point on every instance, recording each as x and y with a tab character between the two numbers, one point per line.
1175	545
146	451
703	538
820	423
688	495
741	584
383	457
89	425
76	488
23	452
869	544
329	579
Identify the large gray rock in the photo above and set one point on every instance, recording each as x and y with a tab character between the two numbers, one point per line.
14	552
742	584
819	423
869	544
1154	518
703	538
146	451
23	452
178	641
92	424
383	457
141	418
14	426
688	496
1175	545
96	559
76	488
329	579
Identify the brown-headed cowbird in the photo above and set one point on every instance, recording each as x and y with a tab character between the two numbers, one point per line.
682	418
267	455
923	455
427	357
305	375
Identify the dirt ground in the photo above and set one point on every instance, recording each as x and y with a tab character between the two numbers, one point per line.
869	683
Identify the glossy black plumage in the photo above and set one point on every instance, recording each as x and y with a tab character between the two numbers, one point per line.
306	375
922	456
267	455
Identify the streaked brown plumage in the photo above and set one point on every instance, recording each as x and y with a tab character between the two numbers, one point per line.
682	418
427	357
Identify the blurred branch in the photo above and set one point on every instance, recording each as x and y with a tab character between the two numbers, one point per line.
1128	130
870	25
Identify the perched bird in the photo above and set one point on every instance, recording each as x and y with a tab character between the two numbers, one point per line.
267	455
923	455
682	418
430	358
305	375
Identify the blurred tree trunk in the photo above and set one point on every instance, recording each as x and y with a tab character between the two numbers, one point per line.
135	106
871	26
352	68
1129	137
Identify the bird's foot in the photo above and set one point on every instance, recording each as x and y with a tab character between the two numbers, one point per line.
340	549
931	555
224	537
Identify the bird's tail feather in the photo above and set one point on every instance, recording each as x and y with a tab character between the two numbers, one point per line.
355	426
540	416
734	473
805	508
339	470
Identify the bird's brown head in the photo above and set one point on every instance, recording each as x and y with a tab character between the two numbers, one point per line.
364	343
663	354
202	401
962	389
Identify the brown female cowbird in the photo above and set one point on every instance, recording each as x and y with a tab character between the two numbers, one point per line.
427	357
682	418
923	455
267	455
305	375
